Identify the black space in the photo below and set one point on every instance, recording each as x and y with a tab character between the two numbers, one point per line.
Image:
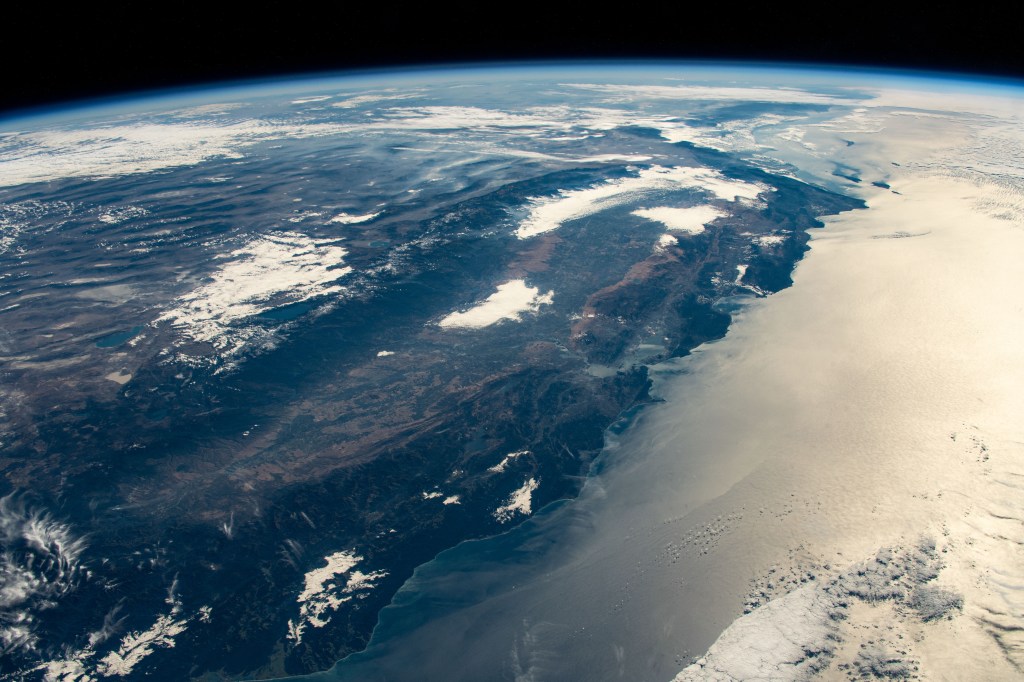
52	55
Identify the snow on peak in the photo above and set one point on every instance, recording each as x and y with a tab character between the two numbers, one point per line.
519	502
327	588
500	466
136	646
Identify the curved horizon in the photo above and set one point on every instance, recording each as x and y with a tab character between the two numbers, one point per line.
302	79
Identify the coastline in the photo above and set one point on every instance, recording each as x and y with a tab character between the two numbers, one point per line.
923	451
826	481
439	596
773	489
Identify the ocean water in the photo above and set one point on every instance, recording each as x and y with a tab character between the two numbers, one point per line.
873	404
821	426
586	588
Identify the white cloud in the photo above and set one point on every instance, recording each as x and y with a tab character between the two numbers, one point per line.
665	241
795	636
268	272
351	219
510	302
360	100
67	670
118	214
40	562
130	148
549	213
690	220
473	118
630	93
311	99
770	239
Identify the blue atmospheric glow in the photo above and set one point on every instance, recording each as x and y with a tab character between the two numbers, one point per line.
743	73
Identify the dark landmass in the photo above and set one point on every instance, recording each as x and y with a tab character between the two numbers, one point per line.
236	485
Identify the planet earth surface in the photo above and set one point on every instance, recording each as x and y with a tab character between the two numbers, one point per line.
578	371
